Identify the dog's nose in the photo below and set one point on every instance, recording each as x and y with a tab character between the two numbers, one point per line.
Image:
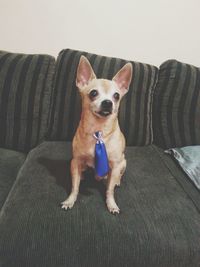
106	104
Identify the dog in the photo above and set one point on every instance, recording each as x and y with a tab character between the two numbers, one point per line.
100	105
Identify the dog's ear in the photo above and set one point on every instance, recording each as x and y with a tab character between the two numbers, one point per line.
123	78
85	73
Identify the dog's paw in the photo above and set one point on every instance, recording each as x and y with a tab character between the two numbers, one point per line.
112	207
118	183
68	203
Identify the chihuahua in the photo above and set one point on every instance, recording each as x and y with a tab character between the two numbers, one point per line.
100	104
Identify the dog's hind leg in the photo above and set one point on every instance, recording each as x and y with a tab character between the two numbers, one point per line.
76	177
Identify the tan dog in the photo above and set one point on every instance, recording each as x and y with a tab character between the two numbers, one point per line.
100	104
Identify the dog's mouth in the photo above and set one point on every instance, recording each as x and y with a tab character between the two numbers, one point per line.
104	113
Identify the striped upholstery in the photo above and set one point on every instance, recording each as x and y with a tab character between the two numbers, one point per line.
136	107
176	109
25	91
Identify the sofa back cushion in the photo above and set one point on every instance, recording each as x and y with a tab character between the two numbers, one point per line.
136	107
25	92
176	108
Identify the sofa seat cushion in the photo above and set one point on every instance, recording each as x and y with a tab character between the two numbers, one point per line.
10	163
158	224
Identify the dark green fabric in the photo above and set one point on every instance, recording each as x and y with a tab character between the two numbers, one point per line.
25	92
189	159
10	163
158	225
135	114
176	105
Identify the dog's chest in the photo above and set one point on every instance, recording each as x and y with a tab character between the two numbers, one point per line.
89	162
84	149
87	153
88	158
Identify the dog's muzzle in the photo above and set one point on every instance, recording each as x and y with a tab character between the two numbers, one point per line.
106	108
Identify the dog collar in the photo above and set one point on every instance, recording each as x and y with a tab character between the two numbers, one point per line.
101	158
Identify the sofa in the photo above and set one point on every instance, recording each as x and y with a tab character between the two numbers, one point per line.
159	223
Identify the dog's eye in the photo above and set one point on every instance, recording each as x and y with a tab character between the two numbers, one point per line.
116	96
93	94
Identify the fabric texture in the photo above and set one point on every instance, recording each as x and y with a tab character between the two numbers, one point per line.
176	105
25	93
10	163
189	159
158	224
135	114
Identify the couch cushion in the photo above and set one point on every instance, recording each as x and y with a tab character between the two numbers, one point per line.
25	91
158	225
176	105
136	107
10	163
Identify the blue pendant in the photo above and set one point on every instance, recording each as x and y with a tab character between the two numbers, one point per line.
101	158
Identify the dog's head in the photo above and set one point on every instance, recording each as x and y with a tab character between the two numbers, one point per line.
101	96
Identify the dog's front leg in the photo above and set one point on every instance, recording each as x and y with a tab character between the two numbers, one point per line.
113	179
76	177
